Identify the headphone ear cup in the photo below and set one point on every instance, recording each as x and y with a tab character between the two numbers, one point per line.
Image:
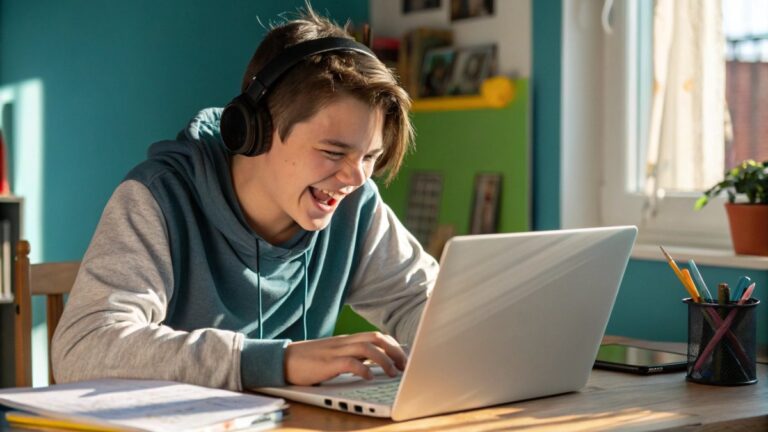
237	126
262	131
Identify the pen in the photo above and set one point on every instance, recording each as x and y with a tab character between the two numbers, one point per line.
723	297
744	282
723	294
690	287
698	278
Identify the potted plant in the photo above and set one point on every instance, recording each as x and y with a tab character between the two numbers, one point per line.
747	206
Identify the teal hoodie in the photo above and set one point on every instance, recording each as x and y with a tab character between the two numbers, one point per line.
270	293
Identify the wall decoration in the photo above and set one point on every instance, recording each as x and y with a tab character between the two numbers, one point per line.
485	209
423	204
419	5
436	71
472	66
463	9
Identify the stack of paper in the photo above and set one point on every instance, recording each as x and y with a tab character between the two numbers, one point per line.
139	405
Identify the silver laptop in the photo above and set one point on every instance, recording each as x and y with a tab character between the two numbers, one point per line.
512	317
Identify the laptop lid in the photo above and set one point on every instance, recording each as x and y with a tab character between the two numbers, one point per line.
512	317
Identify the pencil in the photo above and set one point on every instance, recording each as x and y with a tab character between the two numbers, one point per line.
691	288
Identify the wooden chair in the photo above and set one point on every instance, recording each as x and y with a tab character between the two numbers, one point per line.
50	279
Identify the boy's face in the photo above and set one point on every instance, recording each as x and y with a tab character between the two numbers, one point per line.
322	160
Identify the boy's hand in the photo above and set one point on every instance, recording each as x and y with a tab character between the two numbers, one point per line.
310	362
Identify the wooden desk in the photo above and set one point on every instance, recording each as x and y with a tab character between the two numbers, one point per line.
610	401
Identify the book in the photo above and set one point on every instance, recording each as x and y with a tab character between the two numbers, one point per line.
5	187
6	290
139	405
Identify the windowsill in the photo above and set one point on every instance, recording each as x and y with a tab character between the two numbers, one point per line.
710	257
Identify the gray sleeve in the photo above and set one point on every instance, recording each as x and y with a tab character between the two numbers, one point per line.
394	278
112	323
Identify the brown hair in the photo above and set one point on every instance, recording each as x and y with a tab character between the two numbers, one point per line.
320	79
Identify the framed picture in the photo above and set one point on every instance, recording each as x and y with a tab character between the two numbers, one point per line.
419	5
463	9
436	72
472	65
426	189
485	209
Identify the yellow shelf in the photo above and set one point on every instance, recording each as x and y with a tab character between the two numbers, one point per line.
496	92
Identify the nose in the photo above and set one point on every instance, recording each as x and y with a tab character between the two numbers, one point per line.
353	173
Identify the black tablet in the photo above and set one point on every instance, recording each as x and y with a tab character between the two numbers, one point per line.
638	360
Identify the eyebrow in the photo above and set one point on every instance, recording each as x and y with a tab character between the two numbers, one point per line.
346	146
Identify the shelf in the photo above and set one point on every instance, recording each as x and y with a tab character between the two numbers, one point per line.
496	92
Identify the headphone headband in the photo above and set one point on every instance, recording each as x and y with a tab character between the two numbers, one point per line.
246	126
294	54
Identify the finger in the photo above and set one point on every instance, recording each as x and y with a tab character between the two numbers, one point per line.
340	365
371	353
390	347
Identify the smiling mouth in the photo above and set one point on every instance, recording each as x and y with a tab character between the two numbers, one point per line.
325	197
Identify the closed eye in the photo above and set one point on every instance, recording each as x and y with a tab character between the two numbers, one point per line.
333	155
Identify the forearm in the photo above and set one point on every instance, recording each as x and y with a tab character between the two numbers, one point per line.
94	348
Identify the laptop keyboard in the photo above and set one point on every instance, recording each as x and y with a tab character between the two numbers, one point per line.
382	394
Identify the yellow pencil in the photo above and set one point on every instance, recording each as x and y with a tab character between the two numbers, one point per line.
689	286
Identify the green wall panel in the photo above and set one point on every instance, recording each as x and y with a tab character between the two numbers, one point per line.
459	145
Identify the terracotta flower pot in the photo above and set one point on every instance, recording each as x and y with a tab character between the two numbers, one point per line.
749	228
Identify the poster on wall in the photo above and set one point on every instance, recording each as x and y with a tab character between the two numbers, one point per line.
419	5
485	208
424	204
463	9
472	66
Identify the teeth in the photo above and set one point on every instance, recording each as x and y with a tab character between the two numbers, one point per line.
332	194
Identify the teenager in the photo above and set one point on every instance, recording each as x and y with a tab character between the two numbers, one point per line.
224	258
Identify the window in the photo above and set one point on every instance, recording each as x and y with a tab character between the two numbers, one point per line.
661	204
746	33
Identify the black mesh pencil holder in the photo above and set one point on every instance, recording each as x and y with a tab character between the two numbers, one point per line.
722	343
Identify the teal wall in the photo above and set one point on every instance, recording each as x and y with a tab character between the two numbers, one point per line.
119	75
546	95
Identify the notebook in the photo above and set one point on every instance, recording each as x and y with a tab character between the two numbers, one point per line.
512	317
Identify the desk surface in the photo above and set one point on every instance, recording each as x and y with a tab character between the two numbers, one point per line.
610	401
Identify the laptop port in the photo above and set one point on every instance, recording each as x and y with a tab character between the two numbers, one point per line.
358	409
373	410
343	406
328	402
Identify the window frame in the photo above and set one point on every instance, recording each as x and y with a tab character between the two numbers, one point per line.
675	222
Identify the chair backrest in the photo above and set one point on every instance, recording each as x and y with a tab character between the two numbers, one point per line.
50	279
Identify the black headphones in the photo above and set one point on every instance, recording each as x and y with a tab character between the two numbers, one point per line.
246	125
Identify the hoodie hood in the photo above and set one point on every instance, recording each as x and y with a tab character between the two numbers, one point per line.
201	160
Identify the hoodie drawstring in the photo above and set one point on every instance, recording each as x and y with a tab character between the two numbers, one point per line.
258	288
306	294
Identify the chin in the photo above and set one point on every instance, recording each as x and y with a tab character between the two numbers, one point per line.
315	224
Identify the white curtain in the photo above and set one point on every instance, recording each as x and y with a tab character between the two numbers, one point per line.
687	133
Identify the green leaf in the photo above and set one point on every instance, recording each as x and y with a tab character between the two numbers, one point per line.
701	202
